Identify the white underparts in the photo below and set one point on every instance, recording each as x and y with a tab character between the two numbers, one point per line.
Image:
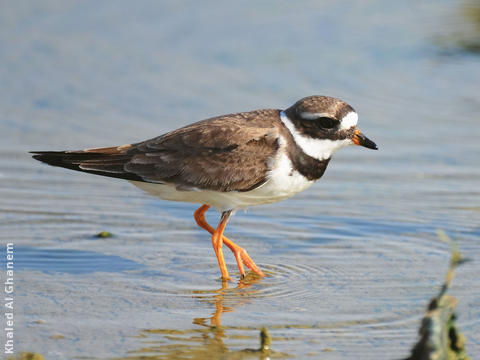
283	181
320	149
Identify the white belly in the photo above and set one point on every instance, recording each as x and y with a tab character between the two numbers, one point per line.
283	182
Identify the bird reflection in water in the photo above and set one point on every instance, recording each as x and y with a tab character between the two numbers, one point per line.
241	294
208	341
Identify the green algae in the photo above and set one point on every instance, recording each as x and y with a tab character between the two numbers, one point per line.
440	338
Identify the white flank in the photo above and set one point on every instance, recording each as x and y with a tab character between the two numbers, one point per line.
319	149
349	120
283	182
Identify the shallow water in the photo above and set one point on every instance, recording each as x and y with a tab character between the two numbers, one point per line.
351	263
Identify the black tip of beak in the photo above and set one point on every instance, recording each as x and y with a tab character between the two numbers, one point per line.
369	144
362	140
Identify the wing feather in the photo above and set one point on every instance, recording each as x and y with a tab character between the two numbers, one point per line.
228	153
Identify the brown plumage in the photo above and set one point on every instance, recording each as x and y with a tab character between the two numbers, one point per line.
230	162
203	155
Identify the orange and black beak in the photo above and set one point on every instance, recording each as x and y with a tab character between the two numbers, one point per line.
362	140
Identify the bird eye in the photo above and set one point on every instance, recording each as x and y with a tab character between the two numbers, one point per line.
327	123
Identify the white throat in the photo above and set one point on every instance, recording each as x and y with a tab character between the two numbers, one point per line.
319	149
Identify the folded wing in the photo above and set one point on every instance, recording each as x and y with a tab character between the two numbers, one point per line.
217	154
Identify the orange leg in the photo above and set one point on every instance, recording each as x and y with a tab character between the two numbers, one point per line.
217	243
240	254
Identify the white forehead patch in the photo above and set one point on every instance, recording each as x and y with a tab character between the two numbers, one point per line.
349	120
319	149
